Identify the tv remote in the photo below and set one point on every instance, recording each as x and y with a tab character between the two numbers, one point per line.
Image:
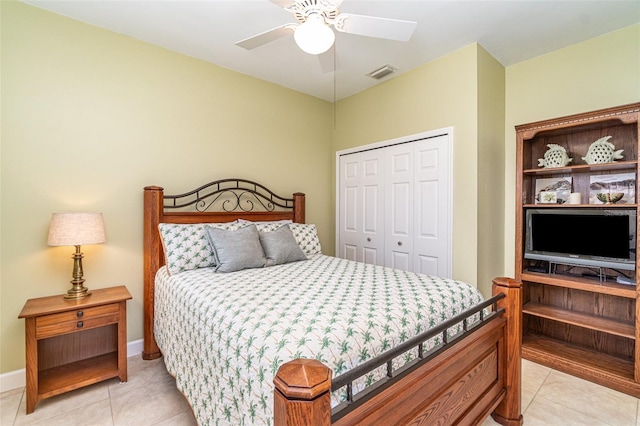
624	280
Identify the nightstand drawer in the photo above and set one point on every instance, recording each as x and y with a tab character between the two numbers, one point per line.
76	320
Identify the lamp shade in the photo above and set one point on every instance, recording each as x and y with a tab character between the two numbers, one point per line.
314	36
76	229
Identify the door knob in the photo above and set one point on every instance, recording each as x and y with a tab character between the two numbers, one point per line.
369	239
399	243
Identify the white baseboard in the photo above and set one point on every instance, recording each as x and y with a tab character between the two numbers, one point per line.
13	380
135	348
18	378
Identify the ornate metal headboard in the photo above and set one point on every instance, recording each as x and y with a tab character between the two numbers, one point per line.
229	195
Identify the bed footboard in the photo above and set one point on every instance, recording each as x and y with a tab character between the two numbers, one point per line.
468	379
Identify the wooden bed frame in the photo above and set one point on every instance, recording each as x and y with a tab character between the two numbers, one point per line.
462	382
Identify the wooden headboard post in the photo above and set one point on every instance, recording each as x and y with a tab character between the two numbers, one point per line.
298	207
153	260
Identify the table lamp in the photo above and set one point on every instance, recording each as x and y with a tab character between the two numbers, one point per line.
76	229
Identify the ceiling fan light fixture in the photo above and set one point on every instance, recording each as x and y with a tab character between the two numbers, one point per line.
314	36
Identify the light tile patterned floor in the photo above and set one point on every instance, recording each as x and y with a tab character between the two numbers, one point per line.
552	398
149	397
549	398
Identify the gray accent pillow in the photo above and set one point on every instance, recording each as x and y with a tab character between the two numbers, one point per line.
236	250
280	246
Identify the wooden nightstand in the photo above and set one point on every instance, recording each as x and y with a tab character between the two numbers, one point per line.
74	343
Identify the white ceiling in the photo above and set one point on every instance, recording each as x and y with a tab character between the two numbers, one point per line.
511	30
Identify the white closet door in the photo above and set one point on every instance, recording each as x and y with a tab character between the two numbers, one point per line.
394	204
399	211
432	207
361	219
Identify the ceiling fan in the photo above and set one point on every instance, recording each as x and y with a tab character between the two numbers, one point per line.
313	33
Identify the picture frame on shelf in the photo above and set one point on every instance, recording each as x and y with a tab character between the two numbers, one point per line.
546	187
618	188
548	197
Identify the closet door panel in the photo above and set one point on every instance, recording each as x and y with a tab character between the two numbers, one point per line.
400	260
399	206
361	218
349	171
372	249
372	256
427	209
427	265
431	241
350	252
371	198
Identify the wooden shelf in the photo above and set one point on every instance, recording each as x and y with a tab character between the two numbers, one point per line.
581	320
64	378
585	168
587	364
582	283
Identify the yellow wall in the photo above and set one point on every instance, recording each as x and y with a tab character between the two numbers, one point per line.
490	250
598	73
440	94
90	117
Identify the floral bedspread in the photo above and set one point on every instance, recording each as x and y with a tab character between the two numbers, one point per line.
223	336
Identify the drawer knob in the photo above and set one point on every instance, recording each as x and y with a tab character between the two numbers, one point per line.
79	314
80	324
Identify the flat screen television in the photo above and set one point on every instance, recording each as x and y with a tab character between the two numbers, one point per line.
586	237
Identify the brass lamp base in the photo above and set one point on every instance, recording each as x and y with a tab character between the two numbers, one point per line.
78	291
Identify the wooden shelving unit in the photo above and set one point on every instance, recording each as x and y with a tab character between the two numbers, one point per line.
572	322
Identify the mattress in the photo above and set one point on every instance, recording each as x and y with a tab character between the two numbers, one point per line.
224	335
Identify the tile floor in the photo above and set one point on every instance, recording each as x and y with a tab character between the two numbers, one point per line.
549	398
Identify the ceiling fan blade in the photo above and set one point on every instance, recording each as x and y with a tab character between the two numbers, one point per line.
328	60
334	4
266	37
371	26
282	3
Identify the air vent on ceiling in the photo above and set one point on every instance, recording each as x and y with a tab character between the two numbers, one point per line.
382	72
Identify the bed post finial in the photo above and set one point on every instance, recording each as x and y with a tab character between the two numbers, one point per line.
303	394
509	412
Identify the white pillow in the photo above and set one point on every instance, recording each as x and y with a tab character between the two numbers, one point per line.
307	237
187	247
